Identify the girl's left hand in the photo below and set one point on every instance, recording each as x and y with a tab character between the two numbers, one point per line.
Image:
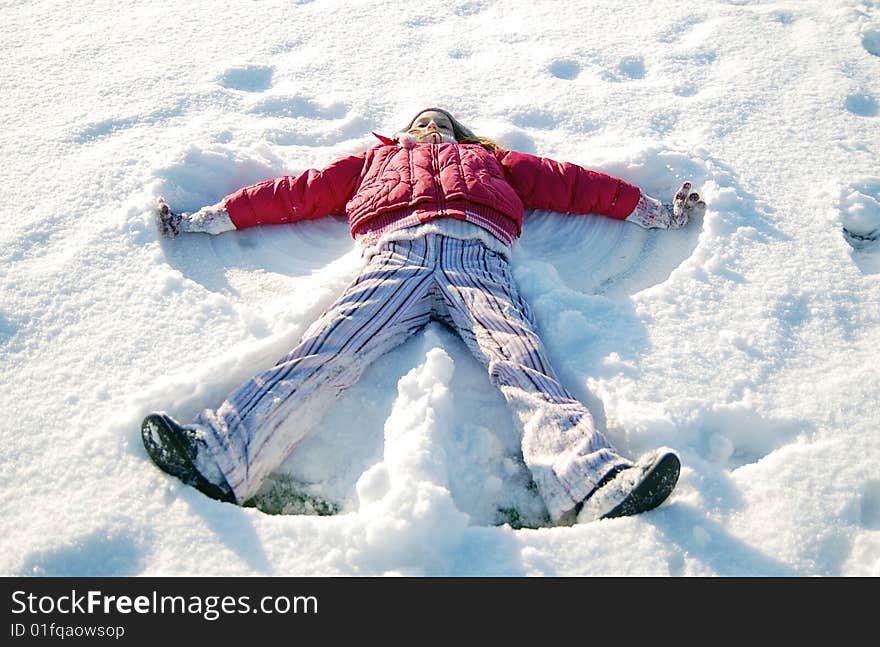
686	205
650	213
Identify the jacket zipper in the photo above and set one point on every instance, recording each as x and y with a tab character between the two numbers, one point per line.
435	159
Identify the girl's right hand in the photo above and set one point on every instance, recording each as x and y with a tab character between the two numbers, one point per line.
213	219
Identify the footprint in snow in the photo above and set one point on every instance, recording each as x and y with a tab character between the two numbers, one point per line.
565	69
248	78
632	67
871	41
861	104
629	68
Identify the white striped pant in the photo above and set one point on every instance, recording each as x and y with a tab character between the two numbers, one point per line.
403	286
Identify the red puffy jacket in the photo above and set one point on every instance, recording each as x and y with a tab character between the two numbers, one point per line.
463	181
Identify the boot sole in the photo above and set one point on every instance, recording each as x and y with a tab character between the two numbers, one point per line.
656	486
173	456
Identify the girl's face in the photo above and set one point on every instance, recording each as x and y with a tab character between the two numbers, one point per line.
432	127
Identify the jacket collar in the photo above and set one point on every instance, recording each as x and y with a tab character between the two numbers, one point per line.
385	140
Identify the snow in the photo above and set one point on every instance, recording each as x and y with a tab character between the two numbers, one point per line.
748	341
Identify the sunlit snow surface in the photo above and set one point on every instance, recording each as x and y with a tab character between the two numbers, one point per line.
747	341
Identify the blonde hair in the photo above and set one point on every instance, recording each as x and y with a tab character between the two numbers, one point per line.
463	134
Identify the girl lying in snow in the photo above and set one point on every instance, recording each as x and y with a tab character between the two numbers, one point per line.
436	210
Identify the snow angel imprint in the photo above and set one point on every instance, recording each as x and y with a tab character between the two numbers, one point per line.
436	210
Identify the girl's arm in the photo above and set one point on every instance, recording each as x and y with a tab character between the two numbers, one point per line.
543	183
309	195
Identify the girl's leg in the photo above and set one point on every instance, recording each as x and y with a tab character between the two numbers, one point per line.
567	456
254	430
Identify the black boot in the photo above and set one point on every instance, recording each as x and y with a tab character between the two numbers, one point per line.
635	489
174	449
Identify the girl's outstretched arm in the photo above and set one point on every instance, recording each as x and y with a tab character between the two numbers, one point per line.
309	195
544	183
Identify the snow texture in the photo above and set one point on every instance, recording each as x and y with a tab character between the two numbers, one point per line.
747	341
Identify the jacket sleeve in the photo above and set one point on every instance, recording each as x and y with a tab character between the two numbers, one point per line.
543	183
309	195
